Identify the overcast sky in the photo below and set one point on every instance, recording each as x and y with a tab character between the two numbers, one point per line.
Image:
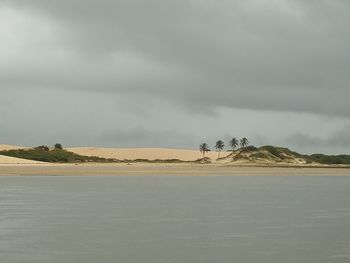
175	73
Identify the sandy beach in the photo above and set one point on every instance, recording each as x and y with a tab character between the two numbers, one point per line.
146	169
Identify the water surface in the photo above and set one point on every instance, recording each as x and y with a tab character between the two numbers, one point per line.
151	219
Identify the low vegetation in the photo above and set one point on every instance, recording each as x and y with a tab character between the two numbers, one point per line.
56	155
331	159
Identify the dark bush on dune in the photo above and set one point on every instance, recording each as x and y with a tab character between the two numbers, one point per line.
58	146
42	148
331	159
250	148
203	160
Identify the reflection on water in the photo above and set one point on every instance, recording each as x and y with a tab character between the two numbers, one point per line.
174	219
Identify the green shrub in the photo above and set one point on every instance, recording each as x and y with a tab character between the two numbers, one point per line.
250	148
331	159
271	149
42	148
58	146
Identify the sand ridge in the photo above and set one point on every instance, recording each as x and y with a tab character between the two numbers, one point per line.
13	160
6	147
144	153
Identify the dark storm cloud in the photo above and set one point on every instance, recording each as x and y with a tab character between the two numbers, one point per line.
273	55
339	139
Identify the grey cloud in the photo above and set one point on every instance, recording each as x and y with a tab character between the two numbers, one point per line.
338	141
272	56
185	57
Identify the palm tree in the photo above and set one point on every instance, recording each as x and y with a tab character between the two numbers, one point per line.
244	142
204	148
219	146
233	143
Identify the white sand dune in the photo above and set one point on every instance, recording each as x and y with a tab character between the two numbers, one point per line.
5	147
12	160
144	153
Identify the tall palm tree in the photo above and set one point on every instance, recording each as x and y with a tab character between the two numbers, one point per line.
204	148
233	143
244	142
219	146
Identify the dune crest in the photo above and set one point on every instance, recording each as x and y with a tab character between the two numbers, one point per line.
6	147
144	153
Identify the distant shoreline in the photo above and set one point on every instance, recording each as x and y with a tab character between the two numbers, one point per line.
250	157
146	169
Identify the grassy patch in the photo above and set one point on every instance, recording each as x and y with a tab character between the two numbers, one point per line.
248	149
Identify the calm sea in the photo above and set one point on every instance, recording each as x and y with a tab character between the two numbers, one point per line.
154	219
